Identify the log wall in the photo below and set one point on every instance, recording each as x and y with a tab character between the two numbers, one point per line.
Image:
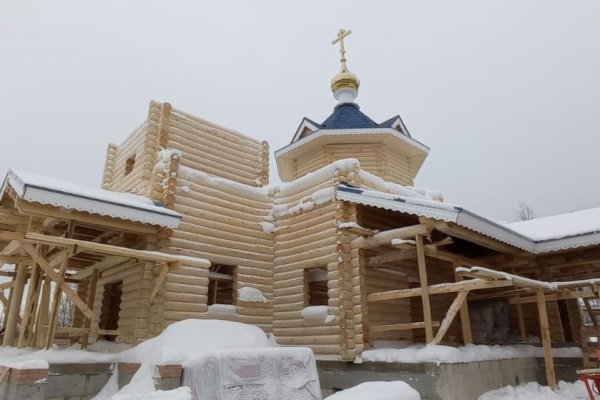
307	236
141	146
376	158
218	151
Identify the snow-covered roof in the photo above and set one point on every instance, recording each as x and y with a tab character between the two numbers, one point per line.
541	235
56	192
560	226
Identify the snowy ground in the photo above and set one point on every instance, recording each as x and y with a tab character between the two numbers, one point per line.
401	391
534	391
404	352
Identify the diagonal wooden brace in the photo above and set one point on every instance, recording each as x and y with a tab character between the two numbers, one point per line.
47	267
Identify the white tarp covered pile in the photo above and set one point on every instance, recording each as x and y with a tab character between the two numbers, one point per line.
268	374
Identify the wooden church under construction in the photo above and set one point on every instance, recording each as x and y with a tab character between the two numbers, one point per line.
343	253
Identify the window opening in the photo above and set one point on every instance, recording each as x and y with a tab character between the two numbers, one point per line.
221	284
316	286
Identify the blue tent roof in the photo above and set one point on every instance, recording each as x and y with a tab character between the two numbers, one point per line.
348	116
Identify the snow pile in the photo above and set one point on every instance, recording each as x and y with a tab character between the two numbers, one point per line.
307	203
400	242
320	313
251	295
395	390
223	308
469	353
181	343
190	339
267	227
533	391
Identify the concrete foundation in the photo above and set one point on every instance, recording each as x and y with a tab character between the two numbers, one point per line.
76	381
464	381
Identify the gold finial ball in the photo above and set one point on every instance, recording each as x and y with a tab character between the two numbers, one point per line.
344	79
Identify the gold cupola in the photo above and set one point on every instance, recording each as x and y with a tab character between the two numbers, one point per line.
344	84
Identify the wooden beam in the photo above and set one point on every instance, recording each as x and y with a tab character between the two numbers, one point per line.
159	281
591	312
56	303
386	237
43	316
519	281
546	339
465	319
30	303
522	328
450	315
108	262
99	248
401	327
15	306
471	284
87	322
424	288
578	294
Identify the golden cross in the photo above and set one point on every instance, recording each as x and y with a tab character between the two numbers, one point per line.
340	38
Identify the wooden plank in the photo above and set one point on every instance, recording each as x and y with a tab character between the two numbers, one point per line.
591	312
401	327
546	340
471	284
450	315
159	281
101	248
424	288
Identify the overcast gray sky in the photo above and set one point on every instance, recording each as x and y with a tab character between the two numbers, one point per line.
506	93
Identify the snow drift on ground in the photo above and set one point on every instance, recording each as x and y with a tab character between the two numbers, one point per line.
98	352
396	390
534	391
468	353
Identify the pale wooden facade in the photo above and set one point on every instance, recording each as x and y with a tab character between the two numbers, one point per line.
277	240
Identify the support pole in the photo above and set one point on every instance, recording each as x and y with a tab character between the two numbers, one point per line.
56	304
547	342
424	289
465	320
522	328
87	322
10	332
43	313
